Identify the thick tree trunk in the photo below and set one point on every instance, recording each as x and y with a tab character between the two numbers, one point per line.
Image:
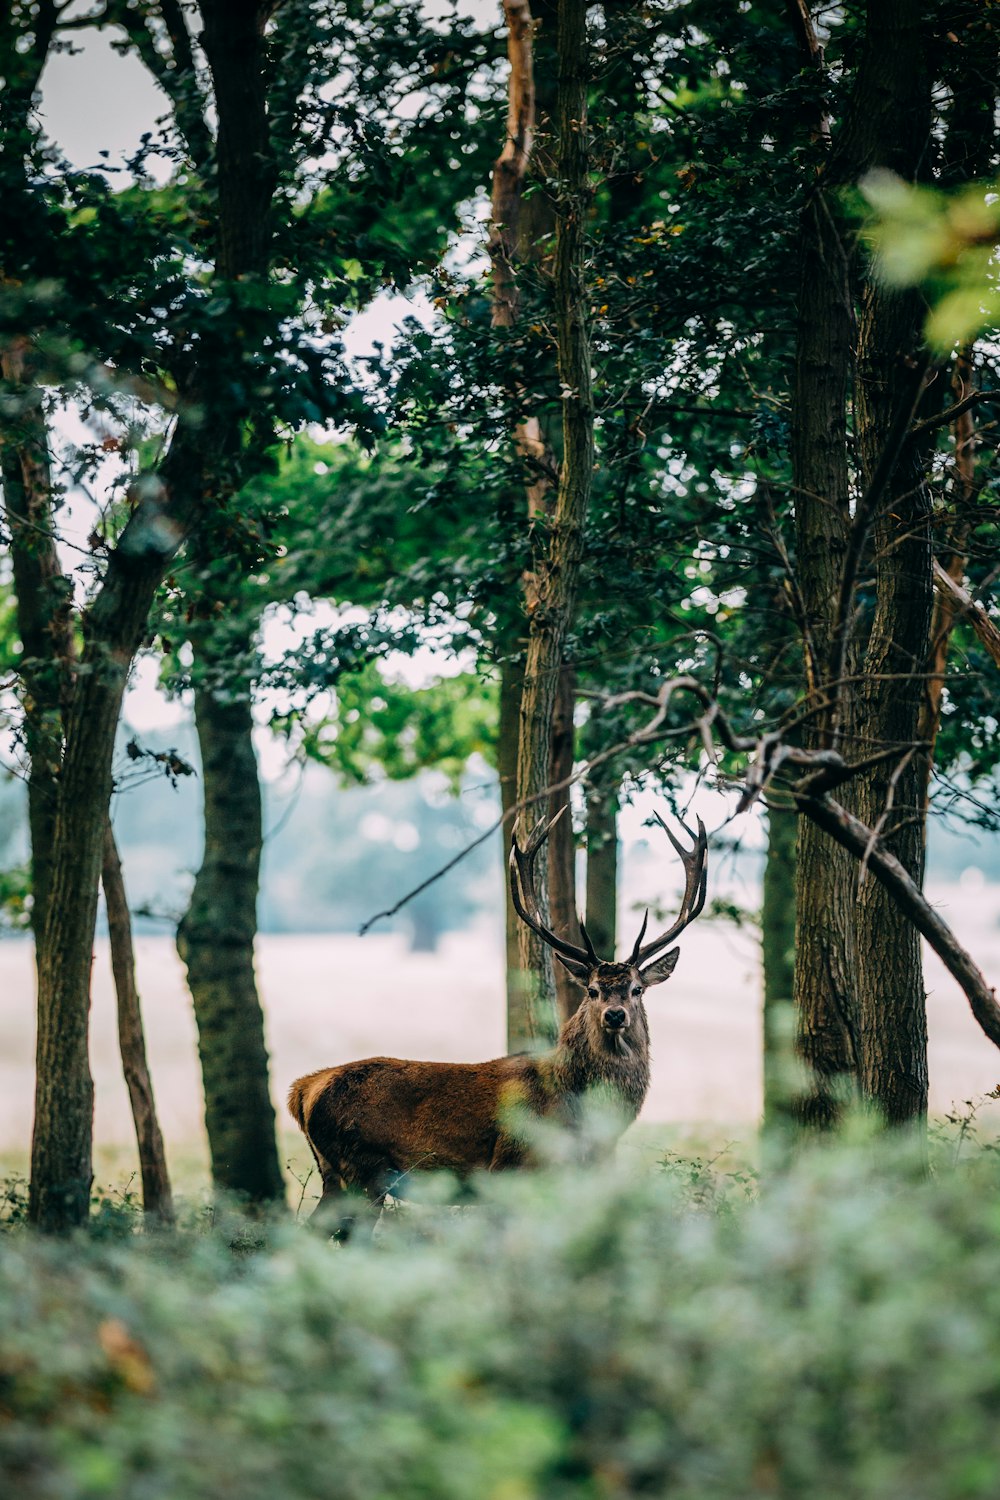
215	941
602	869
157	1199
891	1000
778	954
825	876
885	124
553	589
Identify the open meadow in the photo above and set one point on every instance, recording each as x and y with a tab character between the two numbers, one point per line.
331	998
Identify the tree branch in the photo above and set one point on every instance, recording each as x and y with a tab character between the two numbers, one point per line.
986	632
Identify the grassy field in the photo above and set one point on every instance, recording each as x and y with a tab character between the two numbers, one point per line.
330	998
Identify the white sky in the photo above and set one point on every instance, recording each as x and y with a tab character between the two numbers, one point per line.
96	100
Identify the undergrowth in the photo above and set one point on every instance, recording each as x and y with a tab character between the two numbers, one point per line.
831	1328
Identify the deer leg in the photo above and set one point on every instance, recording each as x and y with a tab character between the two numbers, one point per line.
508	1152
332	1214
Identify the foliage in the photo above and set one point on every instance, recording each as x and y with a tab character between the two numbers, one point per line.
945	243
384	728
15	898
587	1336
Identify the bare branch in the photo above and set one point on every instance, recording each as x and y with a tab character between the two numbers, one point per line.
945	418
986	632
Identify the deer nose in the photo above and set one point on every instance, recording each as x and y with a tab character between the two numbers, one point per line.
615	1019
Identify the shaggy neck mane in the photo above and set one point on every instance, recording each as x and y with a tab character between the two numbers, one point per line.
586	1056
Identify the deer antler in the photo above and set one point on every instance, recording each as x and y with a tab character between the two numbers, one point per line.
522	890
695	861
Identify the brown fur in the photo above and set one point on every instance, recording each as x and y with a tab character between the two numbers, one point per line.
370	1122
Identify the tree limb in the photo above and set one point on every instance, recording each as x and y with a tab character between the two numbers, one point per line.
986	632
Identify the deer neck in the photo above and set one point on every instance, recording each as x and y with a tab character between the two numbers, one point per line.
587	1057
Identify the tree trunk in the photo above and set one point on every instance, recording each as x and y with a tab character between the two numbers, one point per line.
952	556
602	869
825	876
562	842
518	1019
43	617
891	999
200	460
157	1199
778	954
553	589
970	152
215	941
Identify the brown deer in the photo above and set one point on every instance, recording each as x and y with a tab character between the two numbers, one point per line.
369	1123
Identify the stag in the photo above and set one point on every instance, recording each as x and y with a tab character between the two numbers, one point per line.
370	1123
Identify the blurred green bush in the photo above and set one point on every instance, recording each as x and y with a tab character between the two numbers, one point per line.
945	243
832	1333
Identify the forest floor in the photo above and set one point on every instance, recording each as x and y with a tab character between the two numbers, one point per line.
331	998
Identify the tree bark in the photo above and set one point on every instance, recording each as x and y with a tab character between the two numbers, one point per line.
602	869
778	954
554	586
518	1019
562	841
43	618
519	228
215	941
825	878
157	1199
970	152
892	1016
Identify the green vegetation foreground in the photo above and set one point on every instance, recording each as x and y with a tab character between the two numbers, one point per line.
835	1333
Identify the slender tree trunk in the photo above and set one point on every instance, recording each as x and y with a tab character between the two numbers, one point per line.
553	590
562	842
518	228
43	613
952	557
778	953
511	678
602	869
157	1199
43	617
970	152
215	941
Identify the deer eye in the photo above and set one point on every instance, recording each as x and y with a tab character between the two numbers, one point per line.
636	991
593	992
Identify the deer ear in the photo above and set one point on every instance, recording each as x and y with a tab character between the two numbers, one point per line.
580	972
662	969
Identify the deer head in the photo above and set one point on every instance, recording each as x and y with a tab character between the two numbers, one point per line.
614	990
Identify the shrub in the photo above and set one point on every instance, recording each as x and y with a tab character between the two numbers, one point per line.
579	1337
